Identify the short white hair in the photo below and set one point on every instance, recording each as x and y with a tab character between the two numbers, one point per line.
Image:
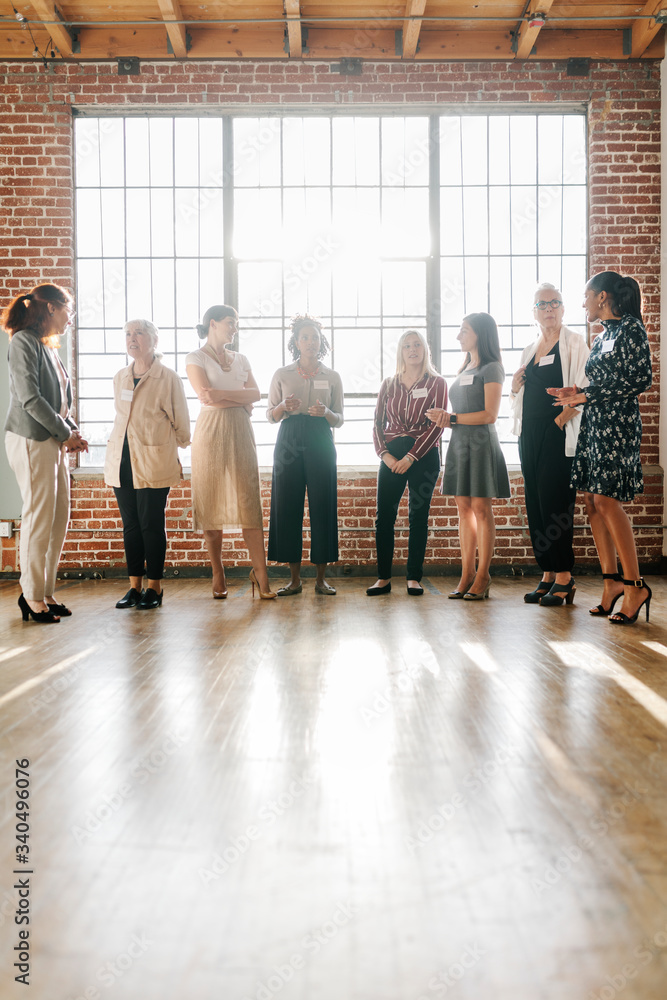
546	286
145	326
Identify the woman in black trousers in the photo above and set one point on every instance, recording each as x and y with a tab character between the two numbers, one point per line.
406	442
547	442
306	398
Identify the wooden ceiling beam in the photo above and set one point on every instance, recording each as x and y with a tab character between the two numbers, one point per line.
171	11
411	29
643	32
61	37
294	36
527	34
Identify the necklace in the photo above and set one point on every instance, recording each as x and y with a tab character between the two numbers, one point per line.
304	374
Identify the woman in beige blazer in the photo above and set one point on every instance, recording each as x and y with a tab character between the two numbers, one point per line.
152	422
39	431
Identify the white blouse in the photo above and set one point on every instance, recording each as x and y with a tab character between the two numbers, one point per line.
218	378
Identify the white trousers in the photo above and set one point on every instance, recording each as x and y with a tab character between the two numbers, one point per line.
42	473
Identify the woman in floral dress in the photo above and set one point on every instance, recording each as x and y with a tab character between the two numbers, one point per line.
607	466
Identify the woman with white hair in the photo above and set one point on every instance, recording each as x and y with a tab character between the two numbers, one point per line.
547	443
152	423
407	444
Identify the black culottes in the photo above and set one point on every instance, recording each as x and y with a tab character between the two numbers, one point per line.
549	497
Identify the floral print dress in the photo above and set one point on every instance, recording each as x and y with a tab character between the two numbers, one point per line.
619	369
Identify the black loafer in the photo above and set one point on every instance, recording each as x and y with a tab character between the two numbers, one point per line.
374	591
131	599
150	599
416	591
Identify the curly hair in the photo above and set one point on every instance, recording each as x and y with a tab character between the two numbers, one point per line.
296	326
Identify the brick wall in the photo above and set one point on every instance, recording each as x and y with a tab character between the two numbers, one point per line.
36	230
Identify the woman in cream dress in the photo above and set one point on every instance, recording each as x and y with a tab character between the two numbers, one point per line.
225	475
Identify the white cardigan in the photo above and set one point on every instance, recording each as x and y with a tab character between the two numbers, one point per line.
573	355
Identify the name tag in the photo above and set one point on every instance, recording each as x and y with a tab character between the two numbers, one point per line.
548	359
420	393
320	384
127	395
608	346
466	380
242	376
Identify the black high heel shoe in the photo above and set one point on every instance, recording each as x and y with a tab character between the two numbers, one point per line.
622	619
559	592
42	617
59	609
599	611
542	588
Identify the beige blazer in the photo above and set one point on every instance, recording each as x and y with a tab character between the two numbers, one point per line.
157	422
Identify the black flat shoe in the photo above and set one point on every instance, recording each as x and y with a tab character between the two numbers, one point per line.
60	610
150	599
41	617
374	591
415	591
533	597
131	599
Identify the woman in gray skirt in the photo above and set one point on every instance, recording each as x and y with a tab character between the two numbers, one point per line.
475	470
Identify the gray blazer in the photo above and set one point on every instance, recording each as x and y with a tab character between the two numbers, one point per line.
34	402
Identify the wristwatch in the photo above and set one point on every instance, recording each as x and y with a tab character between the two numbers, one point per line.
452	418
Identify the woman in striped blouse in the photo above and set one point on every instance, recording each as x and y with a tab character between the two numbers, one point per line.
406	442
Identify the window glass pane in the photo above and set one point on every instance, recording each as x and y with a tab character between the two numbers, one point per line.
524	220
405	222
500	290
403	289
112	152
186	151
162	222
356	151
162	283
211	286
138	216
452	286
574	149
264	349
90	300
499	149
114	292
499	220
260	289
139	297
88	223
187	210
574	220
113	222
359	359
161	142
523	146
451	225
210	223
450	150
474	149
210	152
87	144
550	149
258	223
475	220
476	276
186	281
550	202
137	154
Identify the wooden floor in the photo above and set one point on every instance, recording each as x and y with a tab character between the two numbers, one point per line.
337	798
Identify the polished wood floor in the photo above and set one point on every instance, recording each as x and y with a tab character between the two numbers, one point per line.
337	798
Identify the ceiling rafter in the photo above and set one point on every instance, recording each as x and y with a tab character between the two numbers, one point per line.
171	11
60	35
527	35
643	32
294	37
411	28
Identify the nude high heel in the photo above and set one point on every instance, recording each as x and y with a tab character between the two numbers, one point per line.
265	595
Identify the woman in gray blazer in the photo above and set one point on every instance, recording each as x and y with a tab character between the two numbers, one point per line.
39	432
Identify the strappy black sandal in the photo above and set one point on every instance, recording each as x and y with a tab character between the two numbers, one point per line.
622	619
601	612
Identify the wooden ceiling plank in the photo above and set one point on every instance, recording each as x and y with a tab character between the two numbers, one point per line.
294	36
643	32
171	11
528	35
60	36
411	29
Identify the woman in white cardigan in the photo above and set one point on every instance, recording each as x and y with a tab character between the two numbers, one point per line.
547	444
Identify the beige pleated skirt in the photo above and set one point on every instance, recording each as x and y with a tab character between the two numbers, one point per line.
225	475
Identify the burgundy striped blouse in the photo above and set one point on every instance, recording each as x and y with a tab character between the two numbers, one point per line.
400	412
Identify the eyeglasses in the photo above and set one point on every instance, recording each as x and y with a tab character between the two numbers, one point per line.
542	305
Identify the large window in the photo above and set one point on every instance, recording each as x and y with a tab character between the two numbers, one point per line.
377	224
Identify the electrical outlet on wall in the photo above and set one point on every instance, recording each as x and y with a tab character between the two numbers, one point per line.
6	529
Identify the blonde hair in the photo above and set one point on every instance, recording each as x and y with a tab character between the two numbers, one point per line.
427	364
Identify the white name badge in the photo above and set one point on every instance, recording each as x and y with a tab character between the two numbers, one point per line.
242	376
420	393
608	346
320	384
466	380
548	359
127	395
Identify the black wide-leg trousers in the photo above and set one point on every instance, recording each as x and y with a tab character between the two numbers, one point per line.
144	530
549	497
304	459
420	480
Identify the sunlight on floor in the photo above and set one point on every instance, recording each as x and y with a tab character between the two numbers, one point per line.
586	657
477	652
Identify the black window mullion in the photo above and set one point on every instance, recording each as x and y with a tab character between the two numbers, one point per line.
433	306
230	264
